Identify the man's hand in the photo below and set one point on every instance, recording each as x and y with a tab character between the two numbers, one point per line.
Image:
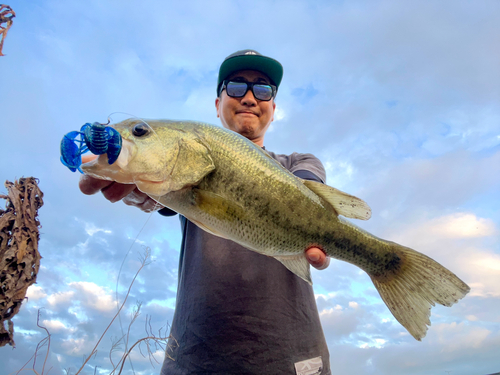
114	192
317	258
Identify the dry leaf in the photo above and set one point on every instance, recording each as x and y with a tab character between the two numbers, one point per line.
19	256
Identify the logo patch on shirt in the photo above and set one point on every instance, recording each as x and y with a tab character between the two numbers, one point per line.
312	366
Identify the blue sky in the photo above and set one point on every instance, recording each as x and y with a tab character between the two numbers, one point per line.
398	99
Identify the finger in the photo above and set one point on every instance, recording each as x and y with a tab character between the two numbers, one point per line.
136	197
150	205
116	191
317	258
90	185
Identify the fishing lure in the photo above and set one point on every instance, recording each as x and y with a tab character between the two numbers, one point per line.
97	138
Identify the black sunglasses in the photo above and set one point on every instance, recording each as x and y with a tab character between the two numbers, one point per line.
261	91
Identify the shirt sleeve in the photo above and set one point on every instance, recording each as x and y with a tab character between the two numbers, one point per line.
165	211
307	175
307	163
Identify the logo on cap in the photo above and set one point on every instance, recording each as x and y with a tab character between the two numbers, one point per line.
250	53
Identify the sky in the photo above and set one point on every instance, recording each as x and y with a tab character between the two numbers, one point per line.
399	100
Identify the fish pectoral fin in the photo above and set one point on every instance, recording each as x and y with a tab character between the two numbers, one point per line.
344	204
297	264
192	165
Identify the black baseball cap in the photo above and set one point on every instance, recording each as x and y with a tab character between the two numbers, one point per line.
253	60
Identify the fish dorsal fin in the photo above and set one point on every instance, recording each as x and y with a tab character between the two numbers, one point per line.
297	264
344	204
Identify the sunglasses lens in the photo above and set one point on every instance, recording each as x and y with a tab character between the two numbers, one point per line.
236	89
263	92
239	89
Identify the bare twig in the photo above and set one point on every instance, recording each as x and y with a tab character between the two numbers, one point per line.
153	342
6	16
143	264
48	342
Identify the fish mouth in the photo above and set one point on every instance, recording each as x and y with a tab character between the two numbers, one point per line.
89	158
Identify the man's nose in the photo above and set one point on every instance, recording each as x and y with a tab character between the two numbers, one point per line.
249	99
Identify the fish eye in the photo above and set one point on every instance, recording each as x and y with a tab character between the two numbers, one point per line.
140	130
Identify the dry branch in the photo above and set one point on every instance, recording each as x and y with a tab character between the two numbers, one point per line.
6	16
19	256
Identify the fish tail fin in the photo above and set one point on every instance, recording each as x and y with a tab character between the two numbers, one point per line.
411	291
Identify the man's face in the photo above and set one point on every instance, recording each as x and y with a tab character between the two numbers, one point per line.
248	116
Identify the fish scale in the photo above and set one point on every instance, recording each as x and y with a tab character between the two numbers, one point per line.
232	188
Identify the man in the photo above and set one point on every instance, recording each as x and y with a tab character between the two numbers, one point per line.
238	312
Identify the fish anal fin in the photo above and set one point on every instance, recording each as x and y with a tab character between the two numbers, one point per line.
297	264
344	204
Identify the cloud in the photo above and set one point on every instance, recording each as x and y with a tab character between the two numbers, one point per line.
461	225
463	242
61	299
93	296
460	336
56	326
35	292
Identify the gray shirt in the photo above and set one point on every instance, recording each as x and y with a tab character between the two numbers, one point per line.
239	312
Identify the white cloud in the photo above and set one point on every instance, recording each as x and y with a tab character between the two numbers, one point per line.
325	296
56	326
35	292
77	346
489	261
461	225
61	298
374	343
279	114
460	336
463	243
93	296
92	229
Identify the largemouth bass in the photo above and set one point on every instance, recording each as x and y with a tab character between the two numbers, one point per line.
232	188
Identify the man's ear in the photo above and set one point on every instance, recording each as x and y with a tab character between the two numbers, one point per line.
274	109
217	103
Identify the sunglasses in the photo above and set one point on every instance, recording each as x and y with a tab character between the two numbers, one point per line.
261	91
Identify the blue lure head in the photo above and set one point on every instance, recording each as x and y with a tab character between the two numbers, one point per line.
96	138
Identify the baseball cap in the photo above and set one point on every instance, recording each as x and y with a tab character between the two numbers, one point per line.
253	60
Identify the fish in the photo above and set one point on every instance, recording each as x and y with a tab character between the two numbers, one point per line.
232	188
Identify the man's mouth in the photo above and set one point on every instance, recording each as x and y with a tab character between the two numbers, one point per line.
245	113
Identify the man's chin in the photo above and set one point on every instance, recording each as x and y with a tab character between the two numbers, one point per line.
246	127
